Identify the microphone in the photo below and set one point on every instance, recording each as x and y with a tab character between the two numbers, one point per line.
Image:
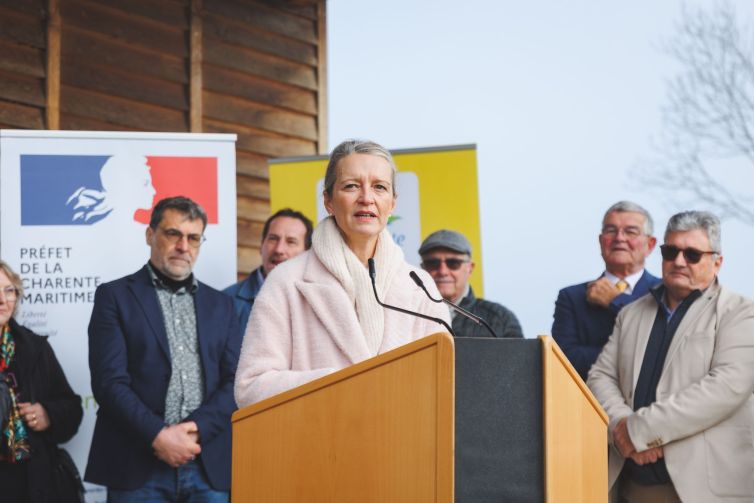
476	319
373	275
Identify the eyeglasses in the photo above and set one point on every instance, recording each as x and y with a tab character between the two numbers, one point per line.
433	264
629	232
9	293
692	256
175	236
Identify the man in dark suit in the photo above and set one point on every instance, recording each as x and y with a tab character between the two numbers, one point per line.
163	350
285	234
585	313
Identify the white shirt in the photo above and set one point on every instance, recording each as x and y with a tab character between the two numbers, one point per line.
631	280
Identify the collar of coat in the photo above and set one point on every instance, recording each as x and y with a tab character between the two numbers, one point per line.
324	293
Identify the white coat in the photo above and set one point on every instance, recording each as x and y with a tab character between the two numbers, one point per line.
303	326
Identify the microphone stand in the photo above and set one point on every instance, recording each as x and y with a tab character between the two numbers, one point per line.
476	319
372	276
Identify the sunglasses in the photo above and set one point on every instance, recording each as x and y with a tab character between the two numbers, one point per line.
692	256
433	264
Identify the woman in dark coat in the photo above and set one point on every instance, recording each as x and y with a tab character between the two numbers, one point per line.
38	409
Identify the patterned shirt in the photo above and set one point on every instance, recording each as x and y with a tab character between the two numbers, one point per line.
186	387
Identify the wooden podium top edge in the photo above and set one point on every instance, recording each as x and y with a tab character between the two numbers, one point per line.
550	345
441	339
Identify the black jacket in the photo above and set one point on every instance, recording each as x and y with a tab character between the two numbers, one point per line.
501	319
40	379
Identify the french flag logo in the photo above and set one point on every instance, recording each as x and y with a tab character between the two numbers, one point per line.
86	189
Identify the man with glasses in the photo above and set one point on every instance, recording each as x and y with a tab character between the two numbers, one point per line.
446	256
585	313
163	351
676	379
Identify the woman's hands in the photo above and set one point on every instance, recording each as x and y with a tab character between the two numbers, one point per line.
34	415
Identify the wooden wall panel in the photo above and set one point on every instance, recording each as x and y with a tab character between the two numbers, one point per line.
23	25
22	89
241	35
125	26
82	46
250	67
21	60
125	64
119	111
22	64
246	113
217	53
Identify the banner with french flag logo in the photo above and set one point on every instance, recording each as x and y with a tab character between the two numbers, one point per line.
74	208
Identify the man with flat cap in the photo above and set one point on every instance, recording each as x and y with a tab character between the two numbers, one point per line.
446	256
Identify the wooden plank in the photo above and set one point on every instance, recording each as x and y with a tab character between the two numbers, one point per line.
252	186
250	208
253	62
21	116
303	9
53	65
77	123
174	13
265	18
249	233
235	110
274	146
157	37
121	112
259	90
22	59
113	81
246	36
79	45
252	164
197	50
34	8
248	259
23	29
258	142
21	89
322	145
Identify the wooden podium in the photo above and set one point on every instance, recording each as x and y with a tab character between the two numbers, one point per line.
425	423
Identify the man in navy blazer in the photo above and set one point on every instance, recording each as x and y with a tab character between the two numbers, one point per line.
585	313
163	351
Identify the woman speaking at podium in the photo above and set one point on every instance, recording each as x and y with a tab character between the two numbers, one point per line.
317	312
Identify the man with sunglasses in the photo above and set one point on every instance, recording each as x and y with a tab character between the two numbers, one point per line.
446	256
585	313
163	351
676	379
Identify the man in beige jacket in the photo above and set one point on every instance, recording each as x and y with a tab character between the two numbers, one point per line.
676	379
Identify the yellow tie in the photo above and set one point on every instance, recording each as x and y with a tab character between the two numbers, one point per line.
621	286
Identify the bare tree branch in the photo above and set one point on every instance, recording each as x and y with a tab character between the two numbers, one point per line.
709	115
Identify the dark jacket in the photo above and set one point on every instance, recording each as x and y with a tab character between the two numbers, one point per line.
129	359
41	379
501	319
243	293
581	328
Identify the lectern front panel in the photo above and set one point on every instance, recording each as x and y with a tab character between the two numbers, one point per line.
499	447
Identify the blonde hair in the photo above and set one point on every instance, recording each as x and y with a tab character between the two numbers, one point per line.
15	280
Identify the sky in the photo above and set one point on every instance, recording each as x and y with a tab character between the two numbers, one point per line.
562	99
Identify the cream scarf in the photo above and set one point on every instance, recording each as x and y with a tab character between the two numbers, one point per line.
331	249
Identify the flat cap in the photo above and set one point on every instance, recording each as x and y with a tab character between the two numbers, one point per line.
444	238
